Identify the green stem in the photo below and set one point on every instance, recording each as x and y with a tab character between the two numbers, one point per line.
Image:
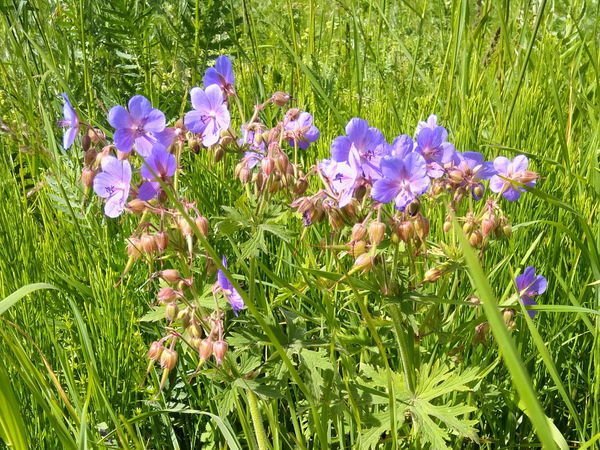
259	430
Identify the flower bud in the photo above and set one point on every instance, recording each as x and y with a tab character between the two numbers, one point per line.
413	207
364	262
147	243
282	162
245	175
194	145
267	164
87	177
195	329
376	232
467	227
292	114
219	350
474	300
478	191
526	176
481	332
206	349
358	248
507	230
170	275
280	98
488	225
184	317
171	311
422	227
202	224
155	350
301	186
86	142
137	206
359	231
161	240
476	238
196	343
405	230
184	227
433	274
122	156
508	315
456	176
219	152
447	227
96	135
133	247
168	359
166	294
90	156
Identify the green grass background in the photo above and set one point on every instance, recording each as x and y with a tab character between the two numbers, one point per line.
504	78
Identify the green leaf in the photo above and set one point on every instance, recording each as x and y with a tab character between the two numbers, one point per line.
20	293
12	425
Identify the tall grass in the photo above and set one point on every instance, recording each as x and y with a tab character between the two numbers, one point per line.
317	363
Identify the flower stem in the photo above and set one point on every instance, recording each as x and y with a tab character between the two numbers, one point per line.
259	430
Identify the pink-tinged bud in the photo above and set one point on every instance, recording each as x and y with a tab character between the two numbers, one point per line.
147	243
105	152
162	241
155	350
481	332
358	248
168	359
171	311
195	343
364	262
422	227
206	349
170	275
202	224
238	168
136	206
476	238
433	274
133	248
87	177
184	227
438	188
359	231
166	294
280	98
267	164
376	232
219	350
273	135
526	176
405	230
447	227
96	135
90	156
219	152
475	300
292	114
488	225
122	156
282	162
245	175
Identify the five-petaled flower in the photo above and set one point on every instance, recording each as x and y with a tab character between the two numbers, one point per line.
142	126
210	115
301	131
231	294
160	165
70	122
220	75
529	285
469	168
404	179
432	144
342	177
508	171
113	184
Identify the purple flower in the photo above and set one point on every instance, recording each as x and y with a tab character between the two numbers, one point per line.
515	170
141	125
163	164
431	143
363	143
431	122
70	121
342	178
469	168
233	297
402	146
113	184
221	75
302	132
529	285
210	114
404	179
257	151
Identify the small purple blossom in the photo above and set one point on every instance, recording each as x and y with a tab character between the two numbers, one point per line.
231	294
301	131
163	164
210	115
141	126
220	75
404	179
363	143
70	121
515	170
432	144
402	146
472	167
530	285
113	184
257	151
342	177
431	122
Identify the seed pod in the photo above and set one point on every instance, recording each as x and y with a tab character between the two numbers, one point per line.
162	241
433	274
219	152
447	227
184	227
87	177
219	350
422	227
90	156
358	248
476	238
170	275
137	206
166	294
376	232
364	262
171	311
280	98
206	349
147	243
202	224
359	231
168	359
155	350
86	142
405	230
133	247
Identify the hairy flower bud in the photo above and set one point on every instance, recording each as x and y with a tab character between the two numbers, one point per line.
206	349
413	207
364	262
447	227
155	350
507	230
137	206
166	294
292	114
183	317
488	225
478	191
376	232
359	231
508	315
96	135
171	311
202	224
422	227
358	248
90	156
162	241
170	275
194	328
405	230
196	343
122	156
476	238
301	186
433	274
133	247
219	152
86	142
456	176
280	98
219	350
184	227
245	175
481	332
87	177
468	227
147	243
267	164
168	359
